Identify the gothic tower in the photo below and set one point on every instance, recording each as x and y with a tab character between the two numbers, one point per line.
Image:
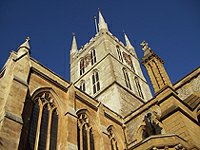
109	71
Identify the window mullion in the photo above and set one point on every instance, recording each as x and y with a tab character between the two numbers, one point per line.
49	128
88	137
81	137
38	125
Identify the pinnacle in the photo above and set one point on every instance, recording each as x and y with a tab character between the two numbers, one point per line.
102	24
74	48
25	44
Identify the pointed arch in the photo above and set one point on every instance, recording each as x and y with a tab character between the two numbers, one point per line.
44	119
138	87
116	143
57	101
126	78
93	56
82	85
88	135
119	53
82	66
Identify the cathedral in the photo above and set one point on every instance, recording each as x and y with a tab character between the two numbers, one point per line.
106	105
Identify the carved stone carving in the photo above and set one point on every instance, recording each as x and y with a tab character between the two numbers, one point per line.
189	88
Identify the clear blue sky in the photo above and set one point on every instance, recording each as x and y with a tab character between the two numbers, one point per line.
172	29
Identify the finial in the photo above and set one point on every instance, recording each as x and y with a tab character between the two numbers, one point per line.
74	48
123	31
95	23
145	45
73	34
27	38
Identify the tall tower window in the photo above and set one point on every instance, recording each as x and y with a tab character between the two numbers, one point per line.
139	90
82	66
126	77
119	53
44	119
82	86
93	56
95	82
85	133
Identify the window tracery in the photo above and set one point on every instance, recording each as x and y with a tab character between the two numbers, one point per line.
43	124
113	141
85	133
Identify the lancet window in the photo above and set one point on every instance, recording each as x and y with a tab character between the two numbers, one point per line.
85	133
95	81
43	129
126	77
93	56
82	66
119	53
113	141
82	86
139	90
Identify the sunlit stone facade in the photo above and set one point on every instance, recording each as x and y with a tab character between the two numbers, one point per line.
106	106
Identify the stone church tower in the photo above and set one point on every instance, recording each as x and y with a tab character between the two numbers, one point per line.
106	106
109	71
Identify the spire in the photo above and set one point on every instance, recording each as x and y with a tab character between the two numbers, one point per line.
102	24
25	47
74	48
129	46
128	43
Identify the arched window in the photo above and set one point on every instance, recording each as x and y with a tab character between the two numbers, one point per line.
119	53
126	77
85	133
139	90
93	56
82	66
82	86
95	82
43	124
113	141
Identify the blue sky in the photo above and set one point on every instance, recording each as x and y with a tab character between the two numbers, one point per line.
172	29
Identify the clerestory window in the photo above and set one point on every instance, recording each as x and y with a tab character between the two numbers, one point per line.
43	124
113	141
85	133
